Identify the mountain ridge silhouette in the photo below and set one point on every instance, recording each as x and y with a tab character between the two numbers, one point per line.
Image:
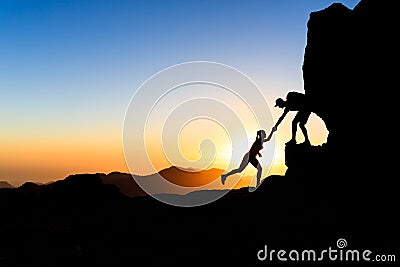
188	177
176	175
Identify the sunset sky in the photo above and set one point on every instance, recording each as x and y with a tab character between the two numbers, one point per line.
69	69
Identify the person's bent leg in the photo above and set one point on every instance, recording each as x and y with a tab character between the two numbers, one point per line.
302	124
304	130
294	128
241	167
259	171
254	161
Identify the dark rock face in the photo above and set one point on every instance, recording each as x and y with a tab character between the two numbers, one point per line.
347	70
326	67
349	80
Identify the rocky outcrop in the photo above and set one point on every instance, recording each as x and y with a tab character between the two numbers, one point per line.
349	80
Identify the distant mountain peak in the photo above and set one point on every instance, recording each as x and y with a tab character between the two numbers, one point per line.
4	184
179	168
188	169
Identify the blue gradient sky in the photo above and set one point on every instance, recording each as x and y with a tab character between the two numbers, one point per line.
69	68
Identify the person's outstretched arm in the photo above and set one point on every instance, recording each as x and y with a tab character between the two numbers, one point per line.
280	119
269	136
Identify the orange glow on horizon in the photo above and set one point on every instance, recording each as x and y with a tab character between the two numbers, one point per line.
44	159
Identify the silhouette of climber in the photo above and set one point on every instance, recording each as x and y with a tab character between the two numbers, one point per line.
295	102
251	157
